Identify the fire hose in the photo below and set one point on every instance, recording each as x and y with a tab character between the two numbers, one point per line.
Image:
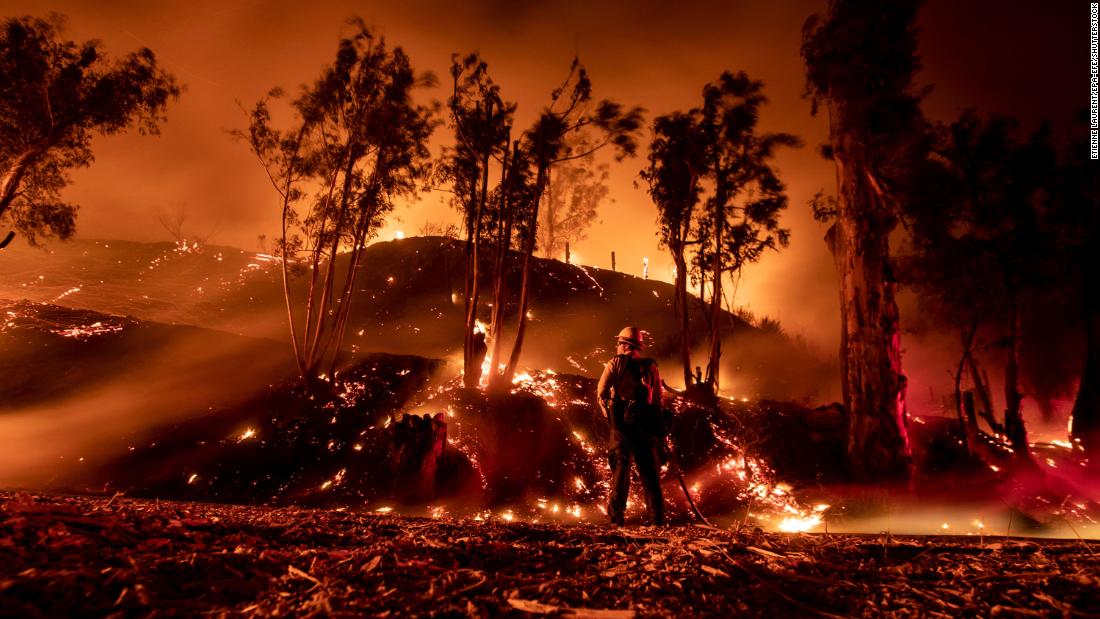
674	466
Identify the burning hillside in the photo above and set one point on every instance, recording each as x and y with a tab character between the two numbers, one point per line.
147	412
535	453
410	303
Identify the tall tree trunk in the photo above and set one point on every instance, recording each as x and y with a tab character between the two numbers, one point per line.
316	352
1085	424
1014	419
504	244
716	284
525	286
285	192
17	170
683	310
873	384
551	210
981	388
359	241
471	375
965	421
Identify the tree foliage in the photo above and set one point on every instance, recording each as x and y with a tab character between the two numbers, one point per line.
572	112
358	143
674	174
717	147
574	194
55	96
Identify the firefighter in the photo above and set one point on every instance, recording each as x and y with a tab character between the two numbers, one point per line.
629	394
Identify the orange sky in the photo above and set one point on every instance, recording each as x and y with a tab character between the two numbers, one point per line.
1016	58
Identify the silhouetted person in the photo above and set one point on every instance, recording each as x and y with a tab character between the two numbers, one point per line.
698	375
629	394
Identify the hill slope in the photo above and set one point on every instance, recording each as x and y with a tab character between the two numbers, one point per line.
409	302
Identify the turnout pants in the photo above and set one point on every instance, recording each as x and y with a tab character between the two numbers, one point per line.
644	455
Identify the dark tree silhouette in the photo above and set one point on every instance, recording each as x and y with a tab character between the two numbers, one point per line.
482	123
358	138
55	96
741	217
513	203
983	249
571	111
717	144
1077	218
860	58
677	165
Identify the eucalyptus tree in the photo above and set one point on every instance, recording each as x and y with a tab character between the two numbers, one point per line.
56	95
357	143
741	217
481	121
674	175
984	248
1078	220
861	58
571	112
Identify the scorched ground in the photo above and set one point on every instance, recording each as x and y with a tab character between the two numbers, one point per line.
71	556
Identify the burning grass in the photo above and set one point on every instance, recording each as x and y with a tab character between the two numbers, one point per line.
67	556
400	433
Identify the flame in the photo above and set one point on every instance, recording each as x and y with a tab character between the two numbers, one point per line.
247	434
799	524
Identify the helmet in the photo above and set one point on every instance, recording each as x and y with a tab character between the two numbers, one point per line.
632	336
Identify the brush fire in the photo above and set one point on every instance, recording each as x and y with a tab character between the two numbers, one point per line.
414	397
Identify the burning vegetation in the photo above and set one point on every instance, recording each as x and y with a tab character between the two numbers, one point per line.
465	469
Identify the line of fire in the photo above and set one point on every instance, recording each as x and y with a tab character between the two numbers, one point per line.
625	310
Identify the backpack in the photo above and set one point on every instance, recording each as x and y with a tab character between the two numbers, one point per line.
638	413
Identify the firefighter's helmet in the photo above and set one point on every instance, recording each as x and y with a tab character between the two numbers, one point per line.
631	336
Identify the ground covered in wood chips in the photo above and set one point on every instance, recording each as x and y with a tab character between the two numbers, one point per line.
93	556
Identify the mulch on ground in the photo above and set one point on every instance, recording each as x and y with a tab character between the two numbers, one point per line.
95	556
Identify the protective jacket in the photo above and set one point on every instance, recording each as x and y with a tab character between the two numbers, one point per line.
630	396
628	379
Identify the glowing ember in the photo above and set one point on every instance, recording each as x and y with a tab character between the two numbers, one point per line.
88	331
68	292
247	434
192	478
384	510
